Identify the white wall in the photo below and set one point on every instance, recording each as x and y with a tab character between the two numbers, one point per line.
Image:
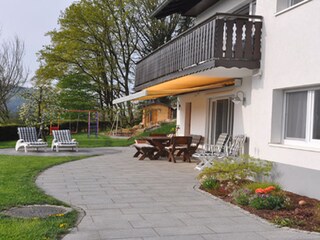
198	113
200	104
290	58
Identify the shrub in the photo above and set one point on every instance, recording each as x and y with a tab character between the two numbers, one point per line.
288	222
210	183
317	212
270	202
233	169
242	196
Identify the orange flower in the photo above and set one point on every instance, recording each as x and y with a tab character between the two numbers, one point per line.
269	189
259	190
265	190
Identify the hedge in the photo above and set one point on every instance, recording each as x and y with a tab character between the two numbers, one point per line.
8	133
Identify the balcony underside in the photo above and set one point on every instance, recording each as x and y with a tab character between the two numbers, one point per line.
185	8
214	69
224	41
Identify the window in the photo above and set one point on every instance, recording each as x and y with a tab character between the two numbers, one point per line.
220	118
283	4
296	115
316	116
302	117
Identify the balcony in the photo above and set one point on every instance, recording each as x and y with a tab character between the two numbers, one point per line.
225	40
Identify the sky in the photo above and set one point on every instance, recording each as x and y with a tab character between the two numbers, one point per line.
30	20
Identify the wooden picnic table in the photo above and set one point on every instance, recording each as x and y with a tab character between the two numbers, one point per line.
159	143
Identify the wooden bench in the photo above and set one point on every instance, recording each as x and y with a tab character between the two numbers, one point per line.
144	149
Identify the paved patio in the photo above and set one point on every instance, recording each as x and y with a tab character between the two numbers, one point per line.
124	198
64	152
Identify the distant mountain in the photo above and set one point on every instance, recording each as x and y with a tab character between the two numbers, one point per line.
16	101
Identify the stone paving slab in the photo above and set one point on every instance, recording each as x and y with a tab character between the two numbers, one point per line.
125	198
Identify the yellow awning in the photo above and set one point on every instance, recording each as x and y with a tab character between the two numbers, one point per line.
187	84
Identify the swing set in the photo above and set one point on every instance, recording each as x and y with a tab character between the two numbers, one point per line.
93	122
117	129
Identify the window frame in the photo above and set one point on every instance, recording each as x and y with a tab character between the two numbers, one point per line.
289	7
308	141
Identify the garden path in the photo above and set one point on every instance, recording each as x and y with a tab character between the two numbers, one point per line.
124	198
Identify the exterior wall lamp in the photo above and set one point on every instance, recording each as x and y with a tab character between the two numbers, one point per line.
178	104
239	97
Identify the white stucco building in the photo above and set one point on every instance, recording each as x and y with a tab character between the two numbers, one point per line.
266	52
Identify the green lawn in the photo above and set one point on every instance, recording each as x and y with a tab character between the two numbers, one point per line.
85	142
7	144
101	141
17	187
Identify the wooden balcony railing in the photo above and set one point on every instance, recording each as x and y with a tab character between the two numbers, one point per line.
225	40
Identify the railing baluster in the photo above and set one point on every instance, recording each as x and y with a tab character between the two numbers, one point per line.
248	50
218	38
238	48
257	41
211	41
199	47
229	33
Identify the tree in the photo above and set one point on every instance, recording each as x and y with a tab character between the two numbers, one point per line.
100	40
152	32
76	93
12	73
95	40
41	106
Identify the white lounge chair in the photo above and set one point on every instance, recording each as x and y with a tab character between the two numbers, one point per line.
62	139
210	152
237	145
28	139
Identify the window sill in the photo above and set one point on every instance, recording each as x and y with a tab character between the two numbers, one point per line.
292	7
303	148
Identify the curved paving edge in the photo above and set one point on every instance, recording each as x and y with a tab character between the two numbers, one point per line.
63	152
125	198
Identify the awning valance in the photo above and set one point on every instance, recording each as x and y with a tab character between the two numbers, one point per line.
176	87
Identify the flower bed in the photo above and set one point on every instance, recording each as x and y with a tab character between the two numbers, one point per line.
264	199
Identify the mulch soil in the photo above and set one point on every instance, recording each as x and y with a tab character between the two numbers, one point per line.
304	217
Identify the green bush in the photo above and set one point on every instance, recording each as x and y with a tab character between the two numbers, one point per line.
288	222
242	196
234	169
270	202
210	183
